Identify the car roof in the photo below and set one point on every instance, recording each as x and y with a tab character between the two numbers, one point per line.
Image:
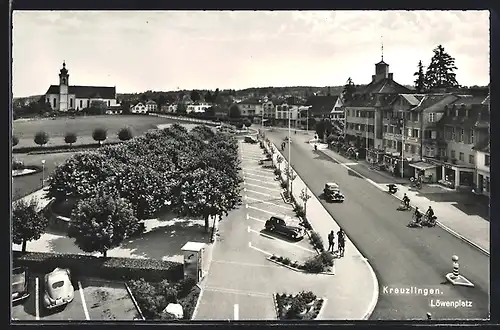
331	185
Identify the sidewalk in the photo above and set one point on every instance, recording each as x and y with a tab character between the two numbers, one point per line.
39	195
468	227
357	286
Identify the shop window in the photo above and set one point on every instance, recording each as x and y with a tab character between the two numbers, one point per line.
471	159
461	156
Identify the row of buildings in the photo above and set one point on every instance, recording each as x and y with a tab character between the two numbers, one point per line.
443	137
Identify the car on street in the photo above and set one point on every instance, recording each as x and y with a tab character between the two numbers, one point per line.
279	225
287	140
250	139
59	290
19	284
332	192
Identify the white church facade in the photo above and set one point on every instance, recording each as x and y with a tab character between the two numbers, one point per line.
64	97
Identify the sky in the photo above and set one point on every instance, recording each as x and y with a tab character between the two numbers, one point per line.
170	50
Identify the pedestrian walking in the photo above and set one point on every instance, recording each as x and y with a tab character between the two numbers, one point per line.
341	242
331	241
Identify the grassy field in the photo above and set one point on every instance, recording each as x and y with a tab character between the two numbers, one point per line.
82	127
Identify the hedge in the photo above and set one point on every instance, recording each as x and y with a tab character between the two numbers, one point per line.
120	269
61	147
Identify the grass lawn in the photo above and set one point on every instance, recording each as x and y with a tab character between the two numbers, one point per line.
24	185
83	127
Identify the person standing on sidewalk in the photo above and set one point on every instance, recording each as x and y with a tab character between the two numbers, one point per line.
341	242
331	241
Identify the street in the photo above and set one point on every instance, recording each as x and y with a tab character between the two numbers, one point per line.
400	256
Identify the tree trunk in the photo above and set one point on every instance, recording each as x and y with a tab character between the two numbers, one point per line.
23	247
206	223
105	253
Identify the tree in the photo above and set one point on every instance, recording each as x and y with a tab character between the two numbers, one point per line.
440	72
208	97
27	223
247	123
348	91
181	108
97	107
41	138
70	138
203	132
15	140
210	112
420	81
100	223
125	134
234	111
239	125
215	96
125	105
328	126
320	129
195	96
99	135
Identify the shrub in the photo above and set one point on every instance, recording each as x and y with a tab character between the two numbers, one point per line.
299	211
150	303
99	135
15	140
286	261
313	265
70	138
166	289
247	123
239	125
283	185
308	296
107	268
41	138
17	164
317	241
295	264
125	134
297	306
326	259
279	259
185	286
188	302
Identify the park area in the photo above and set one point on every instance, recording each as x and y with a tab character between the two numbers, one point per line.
82	127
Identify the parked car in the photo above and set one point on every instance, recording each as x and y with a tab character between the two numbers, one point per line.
267	158
20	281
278	224
58	288
332	192
250	139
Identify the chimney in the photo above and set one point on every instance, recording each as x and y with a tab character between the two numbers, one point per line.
374	77
390	76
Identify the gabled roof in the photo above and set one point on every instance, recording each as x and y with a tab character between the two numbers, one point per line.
468	118
250	101
373	100
385	86
468	100
150	102
87	92
321	104
435	102
413	99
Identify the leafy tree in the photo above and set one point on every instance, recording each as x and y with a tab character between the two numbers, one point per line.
328	127
348	91
320	129
100	223
41	138
144	97
27	223
125	134
247	123
440	72
181	108
210	112
162	100
125	105
208	97
203	132
150	301
15	140
97	107
216	96
239	125
330	139
99	135
195	96
70	138
234	111
420	80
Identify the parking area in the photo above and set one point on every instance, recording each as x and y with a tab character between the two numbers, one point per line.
94	299
262	198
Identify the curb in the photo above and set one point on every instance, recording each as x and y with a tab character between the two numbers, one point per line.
446	228
299	270
197	302
373	302
318	317
275	303
134	301
323	304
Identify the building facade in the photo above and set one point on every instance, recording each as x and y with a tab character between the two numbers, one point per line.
151	106
197	107
139	108
285	112
250	107
64	97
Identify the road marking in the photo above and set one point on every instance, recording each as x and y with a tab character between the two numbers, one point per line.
85	310
270	203
254	185
236	312
265	182
259	176
259	193
260	171
261	210
37	299
255	219
239	292
257	249
350	164
242	264
250	230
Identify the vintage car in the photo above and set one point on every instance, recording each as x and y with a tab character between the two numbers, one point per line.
250	139
332	192
279	225
59	290
19	284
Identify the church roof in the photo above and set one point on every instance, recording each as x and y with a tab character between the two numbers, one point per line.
321	104
385	86
87	92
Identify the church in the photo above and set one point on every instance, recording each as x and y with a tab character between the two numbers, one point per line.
64	97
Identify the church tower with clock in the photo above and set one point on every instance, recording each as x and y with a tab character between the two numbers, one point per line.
63	88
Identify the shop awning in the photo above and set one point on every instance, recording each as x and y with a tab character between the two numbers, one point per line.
422	166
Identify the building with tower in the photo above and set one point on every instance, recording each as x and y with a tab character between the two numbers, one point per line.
64	97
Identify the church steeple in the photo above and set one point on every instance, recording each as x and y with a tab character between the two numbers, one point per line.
382	46
63	75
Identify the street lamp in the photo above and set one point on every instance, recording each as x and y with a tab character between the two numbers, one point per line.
43	172
289	151
305	197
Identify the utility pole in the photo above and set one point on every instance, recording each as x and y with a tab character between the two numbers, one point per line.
402	144
289	153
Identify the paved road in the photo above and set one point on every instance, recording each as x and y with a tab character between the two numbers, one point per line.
401	257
